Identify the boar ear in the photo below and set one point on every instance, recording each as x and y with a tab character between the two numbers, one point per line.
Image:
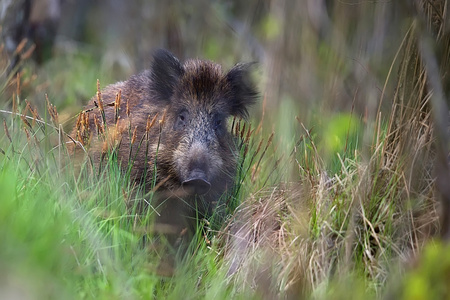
166	70
243	90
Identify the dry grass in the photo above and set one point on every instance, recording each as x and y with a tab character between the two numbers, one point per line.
371	217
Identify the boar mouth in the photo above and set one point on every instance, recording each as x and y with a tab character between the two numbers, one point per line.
197	183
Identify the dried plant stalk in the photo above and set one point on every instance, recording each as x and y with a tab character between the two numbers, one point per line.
117	106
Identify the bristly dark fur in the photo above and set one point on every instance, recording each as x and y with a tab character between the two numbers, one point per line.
244	92
166	70
202	82
202	79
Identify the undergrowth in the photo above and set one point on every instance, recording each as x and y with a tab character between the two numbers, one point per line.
307	236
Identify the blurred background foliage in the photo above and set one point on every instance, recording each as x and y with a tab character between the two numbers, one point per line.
328	56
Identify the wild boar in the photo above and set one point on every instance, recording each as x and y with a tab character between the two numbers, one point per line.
187	153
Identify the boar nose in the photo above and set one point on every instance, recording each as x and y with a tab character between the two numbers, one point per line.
197	183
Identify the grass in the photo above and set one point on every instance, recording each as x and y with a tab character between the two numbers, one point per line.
338	207
306	237
73	237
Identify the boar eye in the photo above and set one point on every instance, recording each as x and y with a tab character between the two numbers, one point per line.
181	120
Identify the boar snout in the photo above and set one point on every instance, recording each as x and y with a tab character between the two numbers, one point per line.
197	174
197	183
